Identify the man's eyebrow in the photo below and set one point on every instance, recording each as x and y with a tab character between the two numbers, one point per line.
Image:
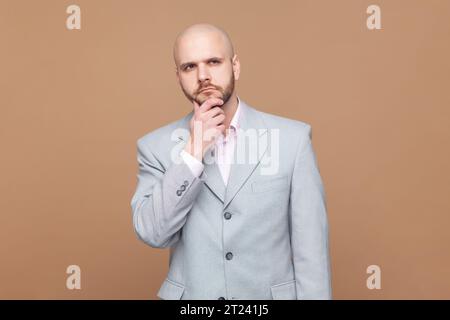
214	58
183	65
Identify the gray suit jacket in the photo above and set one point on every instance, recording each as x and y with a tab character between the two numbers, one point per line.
263	236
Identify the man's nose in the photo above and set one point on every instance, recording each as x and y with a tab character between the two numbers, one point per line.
203	73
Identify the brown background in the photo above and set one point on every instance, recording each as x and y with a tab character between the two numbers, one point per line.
73	104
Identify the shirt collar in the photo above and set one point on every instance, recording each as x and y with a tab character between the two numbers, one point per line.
235	120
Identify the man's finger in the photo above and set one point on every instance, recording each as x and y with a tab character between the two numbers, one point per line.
218	119
208	104
214	111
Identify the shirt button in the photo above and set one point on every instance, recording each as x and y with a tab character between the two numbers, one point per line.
186	183
229	256
178	192
183	187
221	298
227	215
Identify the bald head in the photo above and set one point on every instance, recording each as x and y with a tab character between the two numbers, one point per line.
205	63
197	37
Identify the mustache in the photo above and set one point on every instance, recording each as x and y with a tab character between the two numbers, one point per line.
209	86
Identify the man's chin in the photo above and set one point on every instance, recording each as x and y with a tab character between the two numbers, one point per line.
203	96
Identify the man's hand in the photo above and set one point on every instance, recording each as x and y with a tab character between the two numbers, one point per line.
206	125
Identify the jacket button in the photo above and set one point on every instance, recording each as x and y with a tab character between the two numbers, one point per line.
183	187
227	215
229	256
178	192
221	298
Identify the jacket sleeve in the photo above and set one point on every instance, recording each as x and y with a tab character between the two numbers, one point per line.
309	225
162	199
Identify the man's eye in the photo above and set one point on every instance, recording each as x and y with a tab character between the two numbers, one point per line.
214	61
188	67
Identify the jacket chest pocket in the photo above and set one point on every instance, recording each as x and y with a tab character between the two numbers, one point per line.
274	184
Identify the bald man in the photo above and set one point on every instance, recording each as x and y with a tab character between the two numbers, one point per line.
235	193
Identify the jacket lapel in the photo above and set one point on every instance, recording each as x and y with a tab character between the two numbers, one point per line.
213	179
246	156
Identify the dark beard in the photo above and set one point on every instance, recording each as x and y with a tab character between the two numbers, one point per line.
226	93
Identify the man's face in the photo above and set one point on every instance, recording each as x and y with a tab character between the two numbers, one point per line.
204	68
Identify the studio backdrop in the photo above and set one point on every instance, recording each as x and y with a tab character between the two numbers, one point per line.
81	81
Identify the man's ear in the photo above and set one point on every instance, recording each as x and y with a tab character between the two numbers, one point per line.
177	75
236	67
